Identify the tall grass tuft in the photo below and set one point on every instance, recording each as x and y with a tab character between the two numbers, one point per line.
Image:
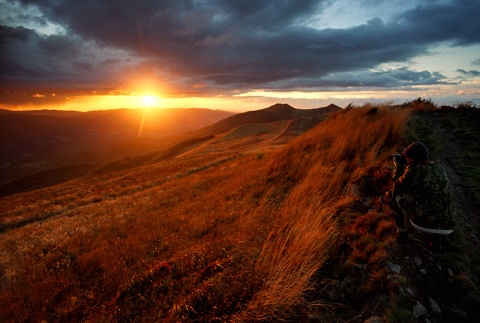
313	175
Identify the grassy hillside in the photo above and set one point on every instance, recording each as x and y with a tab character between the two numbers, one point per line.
243	227
34	145
275	113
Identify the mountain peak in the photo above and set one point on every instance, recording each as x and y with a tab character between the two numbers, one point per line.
281	111
332	106
281	106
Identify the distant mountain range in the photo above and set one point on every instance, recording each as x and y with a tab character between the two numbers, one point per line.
43	148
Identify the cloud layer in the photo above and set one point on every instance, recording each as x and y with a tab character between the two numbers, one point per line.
218	46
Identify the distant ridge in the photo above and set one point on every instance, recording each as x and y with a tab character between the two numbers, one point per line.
286	112
276	112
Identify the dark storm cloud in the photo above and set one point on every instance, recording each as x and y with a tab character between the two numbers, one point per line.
14	13
471	73
396	78
436	21
405	76
230	44
31	59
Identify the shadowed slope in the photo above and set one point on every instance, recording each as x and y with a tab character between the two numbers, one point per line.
47	141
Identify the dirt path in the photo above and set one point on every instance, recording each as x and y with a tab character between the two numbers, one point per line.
436	283
467	206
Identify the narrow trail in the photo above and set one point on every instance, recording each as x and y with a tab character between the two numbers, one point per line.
430	279
467	206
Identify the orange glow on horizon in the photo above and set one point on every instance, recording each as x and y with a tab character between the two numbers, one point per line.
135	100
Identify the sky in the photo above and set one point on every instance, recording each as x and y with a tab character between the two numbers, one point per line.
236	55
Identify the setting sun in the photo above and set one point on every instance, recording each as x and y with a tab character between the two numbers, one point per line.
149	100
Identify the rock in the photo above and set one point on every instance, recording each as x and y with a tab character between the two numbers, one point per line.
434	306
394	267
450	272
460	313
417	261
409	290
419	310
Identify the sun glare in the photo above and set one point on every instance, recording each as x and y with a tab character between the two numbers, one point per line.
149	100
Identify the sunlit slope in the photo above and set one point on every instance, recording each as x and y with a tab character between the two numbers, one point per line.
258	131
44	148
210	234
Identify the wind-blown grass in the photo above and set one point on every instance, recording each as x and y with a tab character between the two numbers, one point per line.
211	237
313	174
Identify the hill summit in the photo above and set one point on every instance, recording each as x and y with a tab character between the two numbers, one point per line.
277	112
284	111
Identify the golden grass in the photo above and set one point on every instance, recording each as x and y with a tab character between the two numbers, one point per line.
212	237
312	174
